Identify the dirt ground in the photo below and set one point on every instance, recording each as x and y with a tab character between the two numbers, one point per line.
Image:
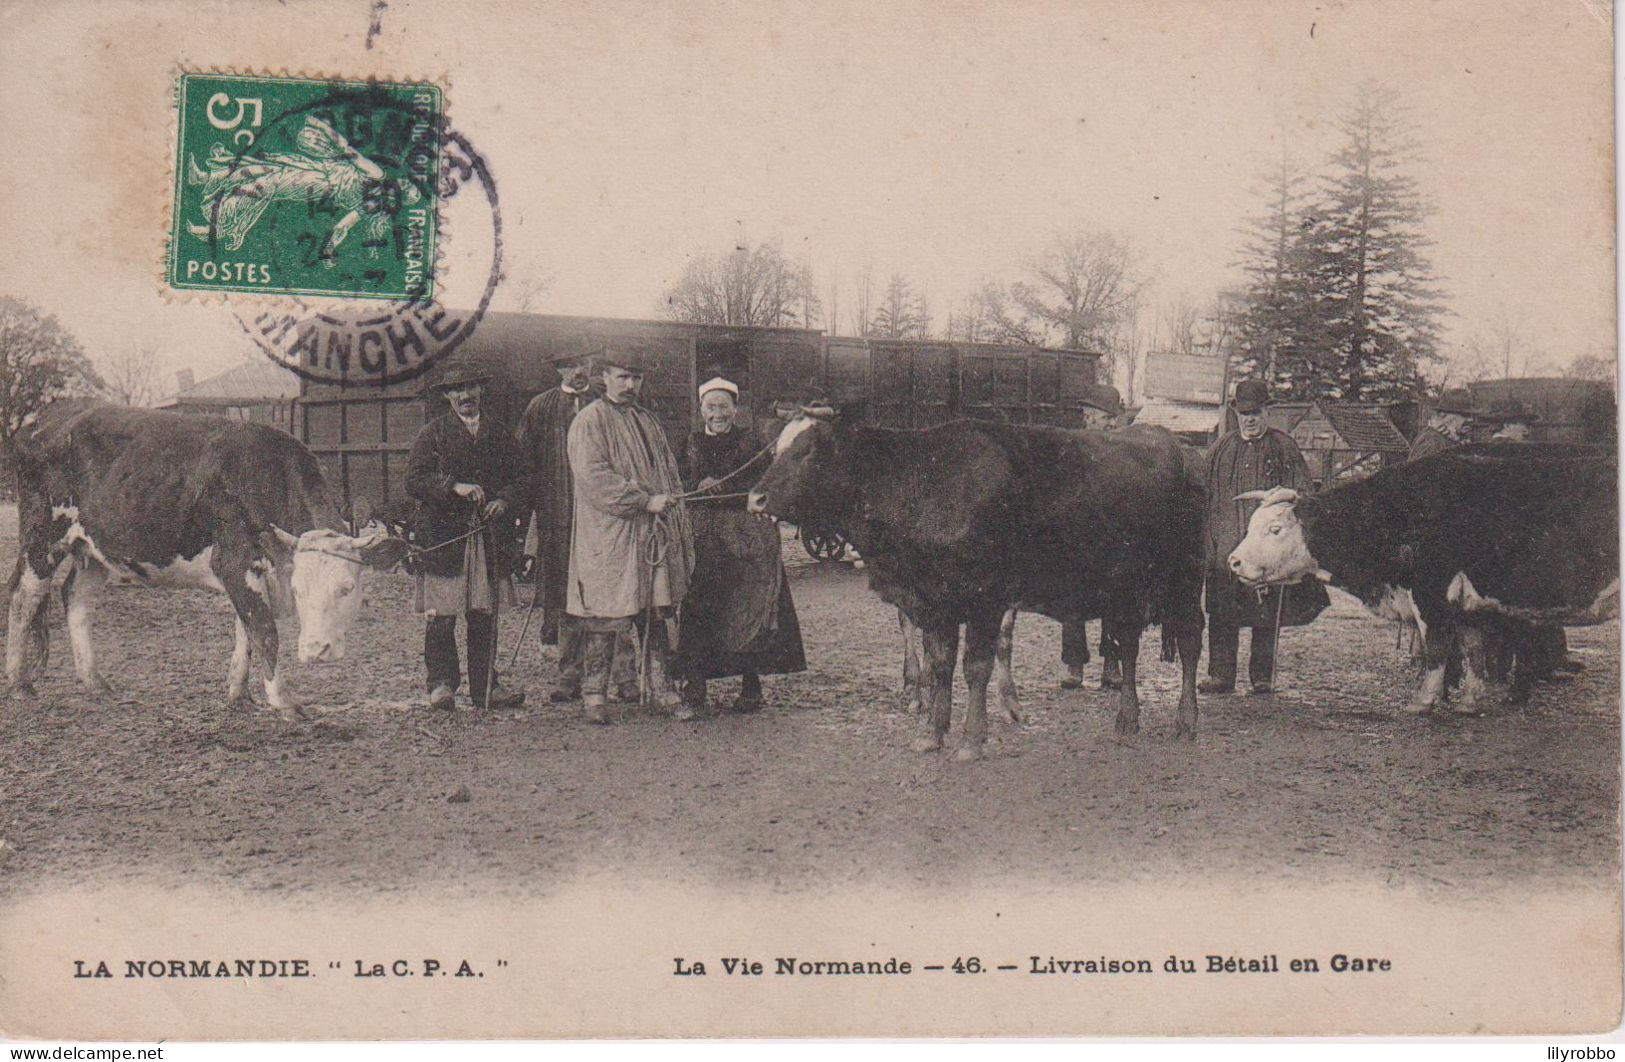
1328	780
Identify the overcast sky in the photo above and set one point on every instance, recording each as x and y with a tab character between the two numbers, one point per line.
944	140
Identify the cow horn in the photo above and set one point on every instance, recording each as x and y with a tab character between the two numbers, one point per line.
1268	497
291	541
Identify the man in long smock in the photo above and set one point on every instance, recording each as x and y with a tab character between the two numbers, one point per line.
542	436
1253	457
632	551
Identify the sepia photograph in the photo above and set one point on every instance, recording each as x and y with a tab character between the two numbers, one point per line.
904	519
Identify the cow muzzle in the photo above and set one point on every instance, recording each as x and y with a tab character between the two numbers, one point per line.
756	502
320	652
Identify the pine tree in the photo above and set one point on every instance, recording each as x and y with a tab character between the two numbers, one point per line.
1376	303
902	313
1275	317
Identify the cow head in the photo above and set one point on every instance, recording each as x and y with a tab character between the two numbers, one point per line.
323	568
804	484
1274	549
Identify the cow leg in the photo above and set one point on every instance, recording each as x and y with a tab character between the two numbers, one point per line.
912	677
941	646
982	637
1477	648
1128	648
1009	696
1188	636
1438	645
242	653
27	636
254	615
79	593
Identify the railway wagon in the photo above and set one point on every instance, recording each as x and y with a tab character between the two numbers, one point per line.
361	434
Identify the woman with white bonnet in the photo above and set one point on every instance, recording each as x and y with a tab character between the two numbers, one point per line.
738	618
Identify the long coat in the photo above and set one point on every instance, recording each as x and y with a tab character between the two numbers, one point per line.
445	454
1235	465
619	458
542	437
738	615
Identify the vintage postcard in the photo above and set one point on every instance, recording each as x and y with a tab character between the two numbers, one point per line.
857	519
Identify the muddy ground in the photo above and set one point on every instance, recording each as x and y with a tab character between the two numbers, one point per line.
1328	780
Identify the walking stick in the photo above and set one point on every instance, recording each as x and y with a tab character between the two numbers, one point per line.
1275	652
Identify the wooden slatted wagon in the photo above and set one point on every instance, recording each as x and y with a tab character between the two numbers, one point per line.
361	434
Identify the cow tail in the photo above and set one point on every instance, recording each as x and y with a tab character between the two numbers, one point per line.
1170	644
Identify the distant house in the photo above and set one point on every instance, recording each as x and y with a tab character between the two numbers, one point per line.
1196	423
1342	440
255	390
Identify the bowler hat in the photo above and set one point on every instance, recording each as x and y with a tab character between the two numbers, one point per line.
1251	396
631	357
461	374
570	352
1103	397
1457	400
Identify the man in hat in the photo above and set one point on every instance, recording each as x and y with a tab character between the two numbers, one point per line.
1448	424
543	430
1253	457
1102	411
466	475
631	549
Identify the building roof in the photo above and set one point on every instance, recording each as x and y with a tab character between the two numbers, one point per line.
1178	417
1364	428
255	380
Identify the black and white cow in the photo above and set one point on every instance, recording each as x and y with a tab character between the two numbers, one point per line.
1476	537
169	499
960	522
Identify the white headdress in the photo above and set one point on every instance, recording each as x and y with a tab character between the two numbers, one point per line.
717	383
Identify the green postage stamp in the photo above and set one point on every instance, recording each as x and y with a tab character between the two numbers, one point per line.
297	186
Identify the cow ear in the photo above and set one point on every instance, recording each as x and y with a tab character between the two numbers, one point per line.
277	543
1271	496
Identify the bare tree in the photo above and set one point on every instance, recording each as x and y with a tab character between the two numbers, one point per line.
39	362
131	376
745	287
1597	367
1181	321
864	301
1074	293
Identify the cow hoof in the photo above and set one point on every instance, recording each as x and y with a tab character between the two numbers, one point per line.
1468	708
967	753
1184	731
99	687
1015	716
24	689
1127	725
926	744
1419	707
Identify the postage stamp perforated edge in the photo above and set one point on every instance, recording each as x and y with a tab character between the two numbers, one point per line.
277	299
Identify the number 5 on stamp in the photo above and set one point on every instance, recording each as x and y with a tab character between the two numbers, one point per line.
298	186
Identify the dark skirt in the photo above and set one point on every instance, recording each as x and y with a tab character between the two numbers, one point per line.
737	615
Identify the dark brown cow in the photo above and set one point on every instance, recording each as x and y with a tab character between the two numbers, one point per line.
960	522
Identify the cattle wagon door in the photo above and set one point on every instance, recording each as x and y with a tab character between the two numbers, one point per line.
781	369
1044	404
1077	375
915	383
977	368
846	370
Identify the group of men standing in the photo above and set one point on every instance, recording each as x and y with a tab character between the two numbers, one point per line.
615	546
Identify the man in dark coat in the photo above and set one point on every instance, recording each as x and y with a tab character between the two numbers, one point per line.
1447	426
1102	411
466	476
543	431
1253	457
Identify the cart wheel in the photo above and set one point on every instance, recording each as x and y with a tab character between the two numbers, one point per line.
824	546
